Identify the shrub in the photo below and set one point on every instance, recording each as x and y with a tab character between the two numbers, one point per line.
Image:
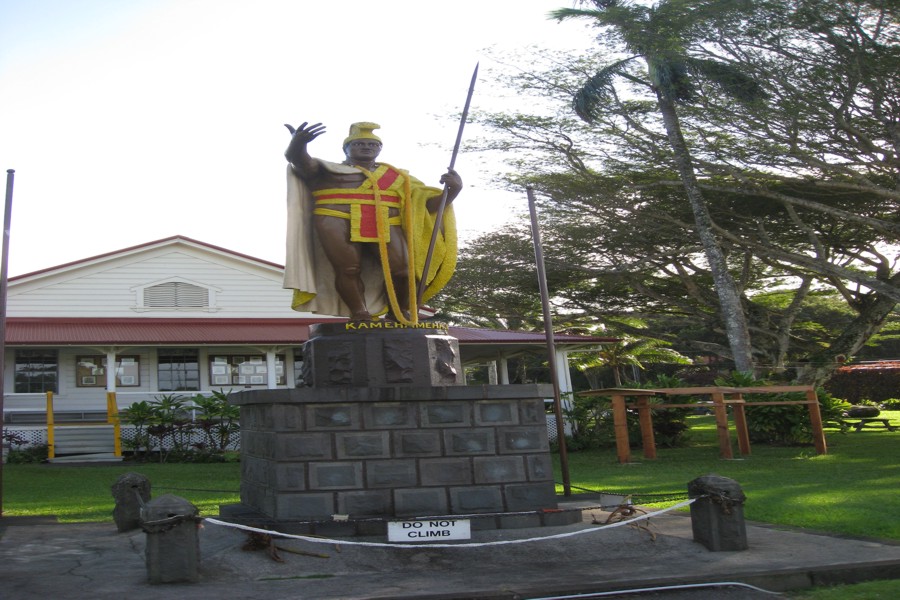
165	424
20	452
217	419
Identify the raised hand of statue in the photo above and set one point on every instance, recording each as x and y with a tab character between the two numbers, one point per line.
301	136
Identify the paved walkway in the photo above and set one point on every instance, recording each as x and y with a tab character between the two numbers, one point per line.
43	560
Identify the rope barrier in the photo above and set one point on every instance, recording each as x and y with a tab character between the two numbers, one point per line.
632	497
180	489
321	540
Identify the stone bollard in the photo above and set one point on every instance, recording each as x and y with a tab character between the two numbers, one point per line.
131	491
173	544
717	516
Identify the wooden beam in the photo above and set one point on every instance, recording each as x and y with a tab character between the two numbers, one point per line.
721	411
620	424
648	442
740	424
815	420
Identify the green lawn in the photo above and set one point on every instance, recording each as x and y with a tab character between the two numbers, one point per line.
851	490
82	493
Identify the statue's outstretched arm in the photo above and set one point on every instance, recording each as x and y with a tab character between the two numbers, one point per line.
305	166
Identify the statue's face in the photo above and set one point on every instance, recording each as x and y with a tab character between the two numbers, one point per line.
363	150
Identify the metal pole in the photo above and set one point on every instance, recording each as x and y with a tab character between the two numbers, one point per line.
551	344
4	263
438	221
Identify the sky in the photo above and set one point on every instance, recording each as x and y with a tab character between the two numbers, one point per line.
129	121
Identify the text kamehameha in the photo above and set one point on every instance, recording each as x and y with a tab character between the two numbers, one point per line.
357	325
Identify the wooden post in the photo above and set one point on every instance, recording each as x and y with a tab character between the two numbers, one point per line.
646	419
620	423
722	425
740	424
815	420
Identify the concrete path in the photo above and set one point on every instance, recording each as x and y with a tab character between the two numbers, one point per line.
42	560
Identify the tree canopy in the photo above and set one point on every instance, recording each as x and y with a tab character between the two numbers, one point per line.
801	184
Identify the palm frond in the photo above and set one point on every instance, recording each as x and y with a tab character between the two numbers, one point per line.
606	13
671	75
561	14
595	91
685	12
728	78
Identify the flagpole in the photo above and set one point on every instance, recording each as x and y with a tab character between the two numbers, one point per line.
439	218
551	344
7	216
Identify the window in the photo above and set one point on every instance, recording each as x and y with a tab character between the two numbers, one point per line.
176	294
91	371
244	370
178	370
36	371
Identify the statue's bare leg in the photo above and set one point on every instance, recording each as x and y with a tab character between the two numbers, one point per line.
399	267
346	260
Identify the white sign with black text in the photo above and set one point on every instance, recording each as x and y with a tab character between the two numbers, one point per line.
433	530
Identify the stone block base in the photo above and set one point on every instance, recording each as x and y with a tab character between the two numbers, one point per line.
395	452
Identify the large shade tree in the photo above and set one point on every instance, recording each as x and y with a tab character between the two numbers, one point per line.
802	190
659	36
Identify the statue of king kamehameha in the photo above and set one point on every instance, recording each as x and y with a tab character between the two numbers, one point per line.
358	231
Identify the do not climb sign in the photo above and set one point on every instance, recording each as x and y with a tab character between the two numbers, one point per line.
433	530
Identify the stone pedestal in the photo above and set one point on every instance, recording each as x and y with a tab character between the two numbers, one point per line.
387	429
381	353
394	451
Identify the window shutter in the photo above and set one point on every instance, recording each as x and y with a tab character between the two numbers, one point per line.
176	295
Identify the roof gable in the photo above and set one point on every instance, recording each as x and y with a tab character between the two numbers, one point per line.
115	284
148	248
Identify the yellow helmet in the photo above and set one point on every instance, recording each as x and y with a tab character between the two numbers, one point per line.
362	131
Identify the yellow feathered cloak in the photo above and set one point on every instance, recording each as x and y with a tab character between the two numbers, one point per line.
309	273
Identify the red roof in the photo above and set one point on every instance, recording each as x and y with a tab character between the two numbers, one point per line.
83	331
880	365
63	331
471	335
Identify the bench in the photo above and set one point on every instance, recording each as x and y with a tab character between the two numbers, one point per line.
858	424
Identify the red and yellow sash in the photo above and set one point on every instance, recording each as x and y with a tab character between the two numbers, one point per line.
364	202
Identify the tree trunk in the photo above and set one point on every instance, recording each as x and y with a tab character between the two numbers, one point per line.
870	320
733	316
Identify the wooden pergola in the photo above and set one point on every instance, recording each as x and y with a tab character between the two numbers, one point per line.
722	398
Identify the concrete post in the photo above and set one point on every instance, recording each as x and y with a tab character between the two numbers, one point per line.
717	516
130	491
173	543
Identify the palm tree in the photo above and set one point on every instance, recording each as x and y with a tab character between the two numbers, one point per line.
627	352
659	35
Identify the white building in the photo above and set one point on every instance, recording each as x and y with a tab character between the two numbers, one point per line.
172	316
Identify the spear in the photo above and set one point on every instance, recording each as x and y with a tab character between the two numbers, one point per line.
439	218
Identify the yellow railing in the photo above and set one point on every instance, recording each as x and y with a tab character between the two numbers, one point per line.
50	427
112	417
